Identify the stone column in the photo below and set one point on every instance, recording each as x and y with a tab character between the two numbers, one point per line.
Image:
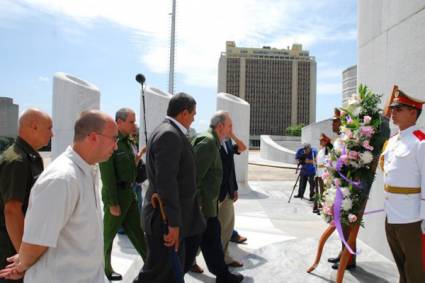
71	96
156	104
239	111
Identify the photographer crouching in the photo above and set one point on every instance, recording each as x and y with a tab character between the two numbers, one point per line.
306	157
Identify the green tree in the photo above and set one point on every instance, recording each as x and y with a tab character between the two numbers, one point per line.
294	130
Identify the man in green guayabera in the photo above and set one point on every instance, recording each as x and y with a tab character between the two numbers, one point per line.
120	205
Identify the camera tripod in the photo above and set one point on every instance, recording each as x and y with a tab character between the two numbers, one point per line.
296	182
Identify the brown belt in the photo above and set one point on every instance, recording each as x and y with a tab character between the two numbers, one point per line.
401	190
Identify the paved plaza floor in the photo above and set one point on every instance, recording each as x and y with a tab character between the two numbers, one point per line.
282	238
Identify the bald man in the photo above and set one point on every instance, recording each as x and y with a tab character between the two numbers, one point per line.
62	240
20	166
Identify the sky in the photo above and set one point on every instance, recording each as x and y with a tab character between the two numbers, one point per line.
107	42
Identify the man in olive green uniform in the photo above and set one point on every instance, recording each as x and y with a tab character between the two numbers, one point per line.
209	174
120	205
20	165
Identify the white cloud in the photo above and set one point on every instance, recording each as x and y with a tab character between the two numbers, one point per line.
203	27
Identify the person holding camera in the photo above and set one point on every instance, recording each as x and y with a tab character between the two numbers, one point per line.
306	157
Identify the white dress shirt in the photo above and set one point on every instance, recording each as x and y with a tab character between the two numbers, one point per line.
404	167
64	215
181	127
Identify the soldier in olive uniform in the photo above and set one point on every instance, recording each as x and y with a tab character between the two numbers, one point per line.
120	205
20	165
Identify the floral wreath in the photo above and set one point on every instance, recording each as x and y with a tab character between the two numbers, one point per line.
351	164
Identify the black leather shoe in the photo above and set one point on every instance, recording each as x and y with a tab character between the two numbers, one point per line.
349	266
297	196
333	259
229	278
114	276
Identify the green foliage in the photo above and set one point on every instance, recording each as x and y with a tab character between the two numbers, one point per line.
294	130
5	142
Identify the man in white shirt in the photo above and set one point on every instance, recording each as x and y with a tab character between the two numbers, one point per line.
403	163
62	240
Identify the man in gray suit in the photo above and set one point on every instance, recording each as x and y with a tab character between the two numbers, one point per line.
170	168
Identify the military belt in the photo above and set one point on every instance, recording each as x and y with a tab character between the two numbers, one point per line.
401	190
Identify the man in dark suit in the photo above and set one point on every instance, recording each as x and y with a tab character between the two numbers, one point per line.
229	193
170	168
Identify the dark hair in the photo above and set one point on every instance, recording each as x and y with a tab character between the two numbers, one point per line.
180	102
88	122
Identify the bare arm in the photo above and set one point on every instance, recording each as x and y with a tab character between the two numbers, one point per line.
14	218
28	255
239	143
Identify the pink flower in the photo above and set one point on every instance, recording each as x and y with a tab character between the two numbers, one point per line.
349	133
352	218
367	145
337	182
325	175
327	210
366	131
367	119
349	120
352	154
344	158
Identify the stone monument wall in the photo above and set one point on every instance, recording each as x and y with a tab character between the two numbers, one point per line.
71	96
391	44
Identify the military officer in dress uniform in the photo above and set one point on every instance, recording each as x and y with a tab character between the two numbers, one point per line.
20	166
403	163
120	205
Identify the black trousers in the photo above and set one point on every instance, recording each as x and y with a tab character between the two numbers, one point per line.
303	184
158	265
212	249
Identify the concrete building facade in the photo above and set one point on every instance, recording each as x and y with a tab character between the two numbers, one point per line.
279	84
349	83
9	113
391	44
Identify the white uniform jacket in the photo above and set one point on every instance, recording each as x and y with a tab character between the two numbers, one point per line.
403	161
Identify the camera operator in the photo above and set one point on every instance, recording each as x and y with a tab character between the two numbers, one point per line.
306	157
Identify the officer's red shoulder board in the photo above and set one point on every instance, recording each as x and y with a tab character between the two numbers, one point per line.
419	134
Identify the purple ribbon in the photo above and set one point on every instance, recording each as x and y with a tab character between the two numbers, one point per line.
337	219
351	182
373	211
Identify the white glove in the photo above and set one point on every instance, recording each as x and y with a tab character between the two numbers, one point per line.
423	226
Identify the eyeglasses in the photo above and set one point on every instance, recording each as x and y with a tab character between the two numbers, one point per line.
114	138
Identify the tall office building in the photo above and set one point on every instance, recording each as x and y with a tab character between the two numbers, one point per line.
9	112
349	83
279	84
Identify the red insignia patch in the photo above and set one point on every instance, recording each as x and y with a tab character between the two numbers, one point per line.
419	134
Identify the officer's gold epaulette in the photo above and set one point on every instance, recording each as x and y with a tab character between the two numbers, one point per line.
419	134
